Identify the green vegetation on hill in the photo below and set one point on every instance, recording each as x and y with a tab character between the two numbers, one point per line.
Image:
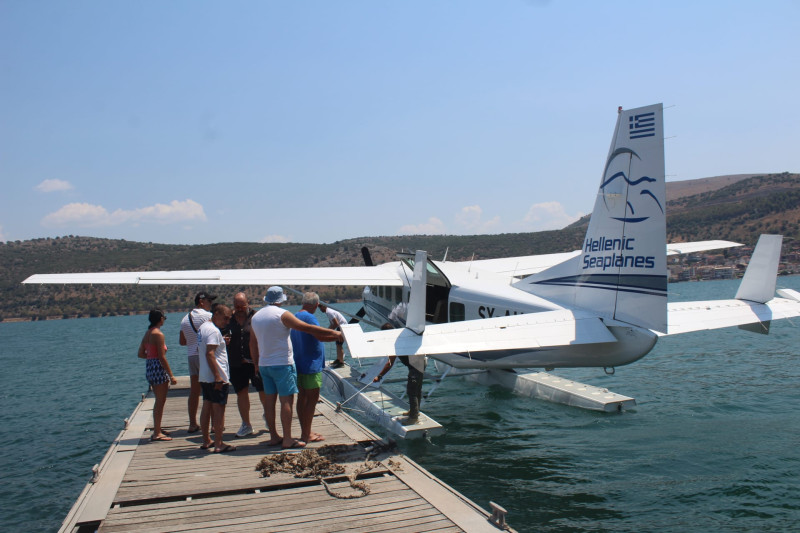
740	212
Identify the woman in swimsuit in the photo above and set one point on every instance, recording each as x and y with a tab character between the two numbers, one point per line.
154	349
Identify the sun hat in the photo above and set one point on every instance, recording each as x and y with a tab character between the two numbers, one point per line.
275	295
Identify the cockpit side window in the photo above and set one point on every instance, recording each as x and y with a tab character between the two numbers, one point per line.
457	313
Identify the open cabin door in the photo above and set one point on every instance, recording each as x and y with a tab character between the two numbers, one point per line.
437	290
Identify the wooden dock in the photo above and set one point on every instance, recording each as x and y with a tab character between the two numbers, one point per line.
175	486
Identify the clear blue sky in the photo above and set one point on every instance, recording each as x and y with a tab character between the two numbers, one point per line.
315	121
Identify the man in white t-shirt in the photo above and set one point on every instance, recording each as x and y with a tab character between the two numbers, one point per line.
214	378
271	352
190	325
337	320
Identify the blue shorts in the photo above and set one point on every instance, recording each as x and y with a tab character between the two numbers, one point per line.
280	379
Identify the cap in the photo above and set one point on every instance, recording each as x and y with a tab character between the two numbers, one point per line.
275	295
202	295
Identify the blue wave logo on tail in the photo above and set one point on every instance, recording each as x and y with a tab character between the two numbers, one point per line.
631	184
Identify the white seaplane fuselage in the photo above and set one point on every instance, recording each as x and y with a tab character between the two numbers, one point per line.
464	293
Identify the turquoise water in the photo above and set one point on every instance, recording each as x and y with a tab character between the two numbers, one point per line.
711	445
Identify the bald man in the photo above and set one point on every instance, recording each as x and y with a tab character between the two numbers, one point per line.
243	371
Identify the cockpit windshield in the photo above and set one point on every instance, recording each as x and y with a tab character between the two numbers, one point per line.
435	276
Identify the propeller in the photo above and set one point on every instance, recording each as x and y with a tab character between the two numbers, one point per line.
367	262
366	256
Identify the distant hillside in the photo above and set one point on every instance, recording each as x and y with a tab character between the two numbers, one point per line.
734	208
20	259
738	212
729	207
679	189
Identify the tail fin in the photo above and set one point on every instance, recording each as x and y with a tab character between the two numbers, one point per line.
621	272
758	283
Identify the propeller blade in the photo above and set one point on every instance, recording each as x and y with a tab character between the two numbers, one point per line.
366	256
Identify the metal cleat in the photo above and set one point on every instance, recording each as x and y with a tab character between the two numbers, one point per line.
498	515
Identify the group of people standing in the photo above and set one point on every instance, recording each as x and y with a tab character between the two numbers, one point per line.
281	354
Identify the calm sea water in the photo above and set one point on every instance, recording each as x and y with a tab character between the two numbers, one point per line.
711	445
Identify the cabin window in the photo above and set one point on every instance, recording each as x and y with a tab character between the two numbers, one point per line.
456	312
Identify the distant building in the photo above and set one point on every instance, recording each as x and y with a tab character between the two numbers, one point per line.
726	272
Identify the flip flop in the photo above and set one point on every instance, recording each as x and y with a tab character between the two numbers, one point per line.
193	429
316	438
162	438
296	444
275	442
227	448
207	446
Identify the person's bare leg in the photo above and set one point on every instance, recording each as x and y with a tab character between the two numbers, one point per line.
310	407
219	425
302	401
286	420
160	392
194	401
205	419
243	402
269	411
263	398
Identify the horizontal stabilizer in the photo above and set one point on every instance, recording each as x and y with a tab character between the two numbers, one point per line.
714	314
789	294
529	331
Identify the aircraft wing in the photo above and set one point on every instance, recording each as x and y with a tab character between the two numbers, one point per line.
531	264
386	274
528	331
677	248
522	265
683	317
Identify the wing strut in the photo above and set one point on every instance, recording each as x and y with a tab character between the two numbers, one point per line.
415	320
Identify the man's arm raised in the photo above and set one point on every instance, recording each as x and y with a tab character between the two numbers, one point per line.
322	334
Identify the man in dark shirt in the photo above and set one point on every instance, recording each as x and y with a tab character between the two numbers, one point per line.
243	372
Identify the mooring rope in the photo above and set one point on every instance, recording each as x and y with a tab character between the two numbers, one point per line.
320	463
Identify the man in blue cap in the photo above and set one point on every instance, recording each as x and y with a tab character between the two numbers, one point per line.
271	352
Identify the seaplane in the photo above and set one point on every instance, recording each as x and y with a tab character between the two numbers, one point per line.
493	320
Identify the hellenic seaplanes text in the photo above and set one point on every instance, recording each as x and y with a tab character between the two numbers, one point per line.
595	258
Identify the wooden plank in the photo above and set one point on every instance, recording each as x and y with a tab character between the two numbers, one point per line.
175	486
384	486
257	509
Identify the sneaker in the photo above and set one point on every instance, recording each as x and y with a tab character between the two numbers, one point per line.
336	364
244	431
